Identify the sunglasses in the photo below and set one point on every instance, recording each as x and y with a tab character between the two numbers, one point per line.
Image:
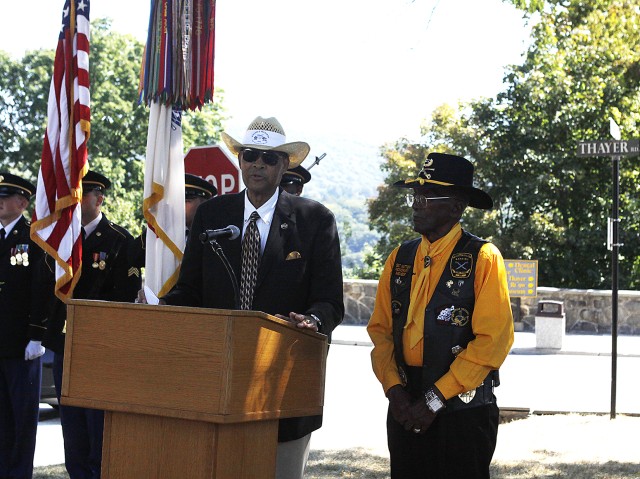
270	158
421	201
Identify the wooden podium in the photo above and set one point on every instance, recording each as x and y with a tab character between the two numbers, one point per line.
189	392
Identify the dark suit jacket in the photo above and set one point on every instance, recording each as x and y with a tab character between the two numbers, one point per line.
309	284
117	281
18	293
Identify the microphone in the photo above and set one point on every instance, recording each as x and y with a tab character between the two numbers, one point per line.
231	232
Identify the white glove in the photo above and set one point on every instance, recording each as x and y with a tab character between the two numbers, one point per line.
34	350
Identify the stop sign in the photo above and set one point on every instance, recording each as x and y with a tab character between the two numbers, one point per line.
215	166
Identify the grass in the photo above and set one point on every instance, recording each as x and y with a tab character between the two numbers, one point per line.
539	447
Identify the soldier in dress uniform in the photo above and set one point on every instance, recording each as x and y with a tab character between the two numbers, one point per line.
196	191
21	331
106	275
294	179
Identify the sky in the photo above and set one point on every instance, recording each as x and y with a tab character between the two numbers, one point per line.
366	70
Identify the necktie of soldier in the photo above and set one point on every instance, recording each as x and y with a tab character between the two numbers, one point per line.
250	261
3	234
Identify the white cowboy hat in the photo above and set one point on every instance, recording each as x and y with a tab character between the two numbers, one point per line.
268	134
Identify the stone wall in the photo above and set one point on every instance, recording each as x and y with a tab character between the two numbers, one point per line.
586	310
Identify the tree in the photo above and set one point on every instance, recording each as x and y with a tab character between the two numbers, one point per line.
583	67
117	144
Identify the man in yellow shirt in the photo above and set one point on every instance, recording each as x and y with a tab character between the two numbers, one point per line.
441	328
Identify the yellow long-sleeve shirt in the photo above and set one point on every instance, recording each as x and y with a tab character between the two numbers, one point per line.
492	321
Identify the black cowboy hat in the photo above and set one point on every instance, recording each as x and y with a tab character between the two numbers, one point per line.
443	170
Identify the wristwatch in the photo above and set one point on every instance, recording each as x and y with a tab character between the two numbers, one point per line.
317	320
434	403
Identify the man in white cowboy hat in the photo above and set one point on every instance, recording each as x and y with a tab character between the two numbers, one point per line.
288	260
441	328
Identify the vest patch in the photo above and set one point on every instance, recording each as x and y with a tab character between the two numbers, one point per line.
461	265
460	317
468	396
402	269
445	314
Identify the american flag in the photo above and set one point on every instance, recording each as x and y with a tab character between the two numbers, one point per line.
56	223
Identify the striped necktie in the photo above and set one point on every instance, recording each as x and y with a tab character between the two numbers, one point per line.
250	261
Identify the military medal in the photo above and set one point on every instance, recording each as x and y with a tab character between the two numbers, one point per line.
102	263
20	255
95	260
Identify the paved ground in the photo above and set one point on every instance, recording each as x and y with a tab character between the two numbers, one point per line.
576	378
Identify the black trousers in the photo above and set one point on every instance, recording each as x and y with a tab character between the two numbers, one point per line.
19	408
458	445
82	430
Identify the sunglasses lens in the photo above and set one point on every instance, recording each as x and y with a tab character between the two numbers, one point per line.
270	158
250	156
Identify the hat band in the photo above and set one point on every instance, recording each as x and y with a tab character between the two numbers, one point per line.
422	181
197	188
264	138
94	183
21	188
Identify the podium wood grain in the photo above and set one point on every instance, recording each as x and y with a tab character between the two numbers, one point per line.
189	389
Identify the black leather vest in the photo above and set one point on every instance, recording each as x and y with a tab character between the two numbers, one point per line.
447	321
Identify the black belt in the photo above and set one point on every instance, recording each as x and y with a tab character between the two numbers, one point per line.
480	396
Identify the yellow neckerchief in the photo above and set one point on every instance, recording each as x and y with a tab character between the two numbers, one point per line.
420	287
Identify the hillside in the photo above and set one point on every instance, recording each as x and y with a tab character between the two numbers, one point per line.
343	181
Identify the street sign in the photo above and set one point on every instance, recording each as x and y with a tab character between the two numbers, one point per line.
616	149
215	166
522	277
609	148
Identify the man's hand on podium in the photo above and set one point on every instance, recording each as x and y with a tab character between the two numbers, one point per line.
146	296
303	321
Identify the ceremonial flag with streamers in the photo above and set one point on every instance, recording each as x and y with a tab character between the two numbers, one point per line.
56	223
178	62
177	74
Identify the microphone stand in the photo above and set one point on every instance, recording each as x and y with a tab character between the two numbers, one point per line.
217	249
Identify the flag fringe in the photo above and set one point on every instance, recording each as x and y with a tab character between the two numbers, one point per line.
177	67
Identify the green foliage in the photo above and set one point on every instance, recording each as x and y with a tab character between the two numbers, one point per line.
118	139
24	90
583	67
